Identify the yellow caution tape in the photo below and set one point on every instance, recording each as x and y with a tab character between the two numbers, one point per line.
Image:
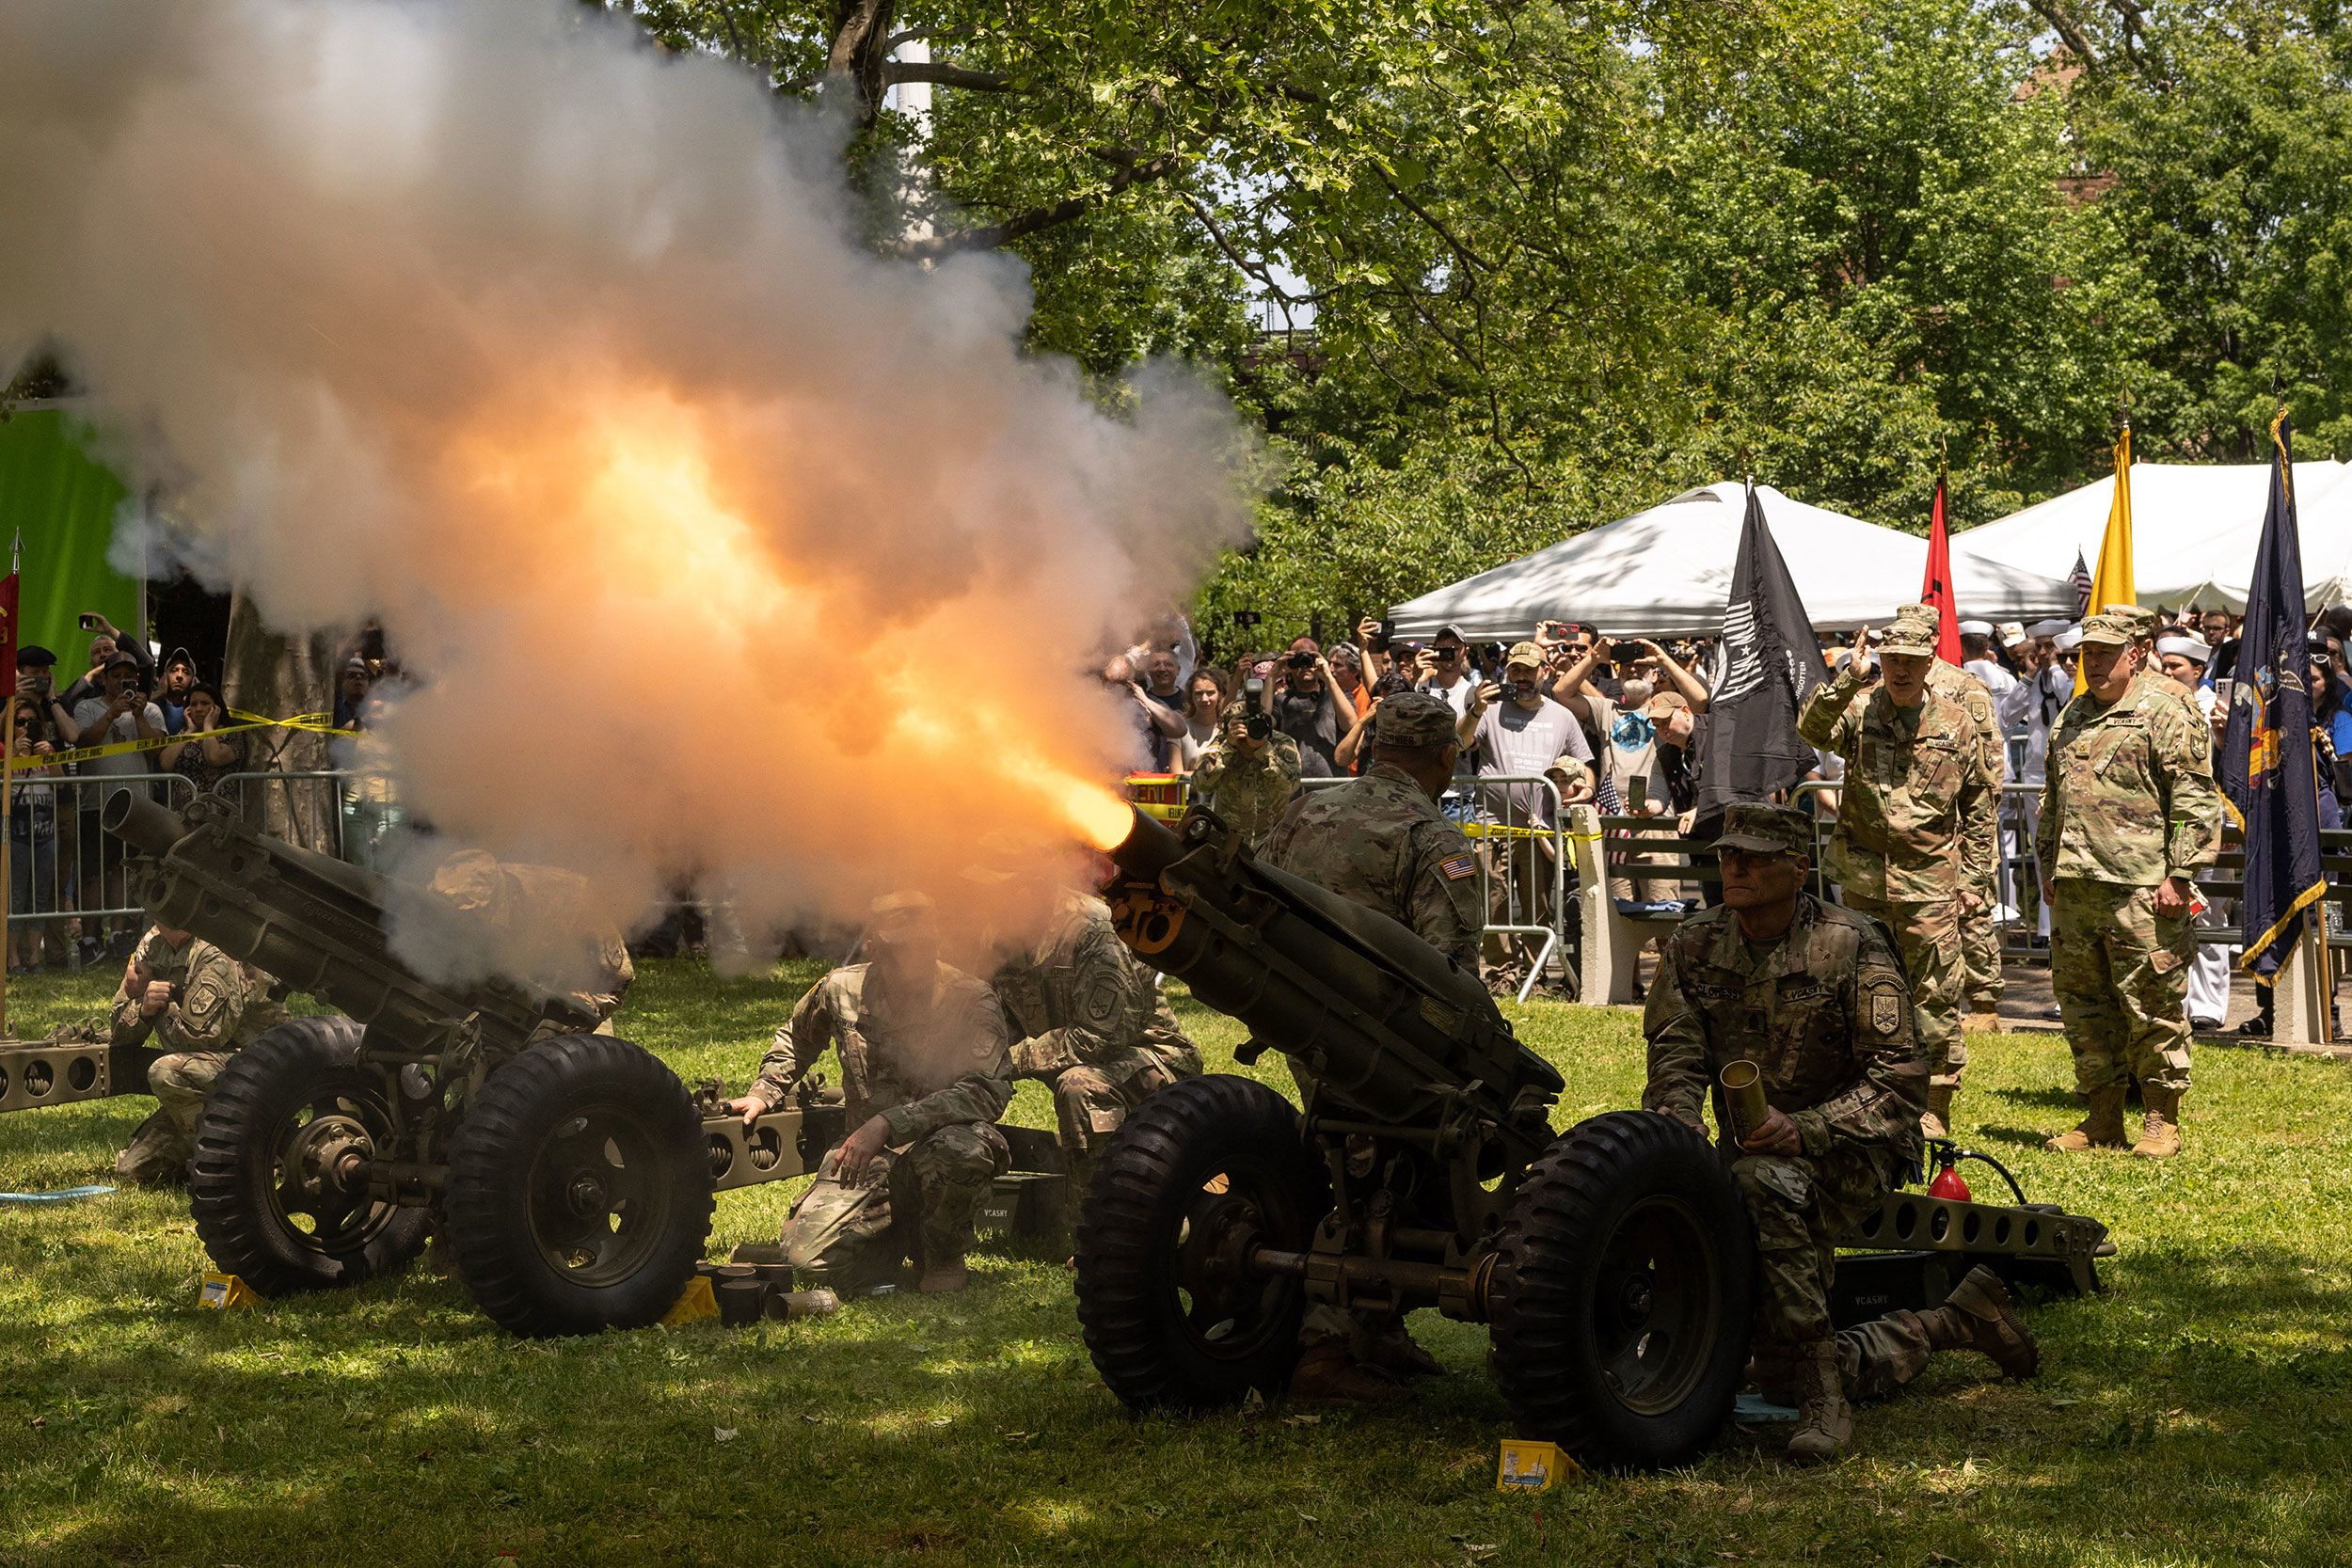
309	722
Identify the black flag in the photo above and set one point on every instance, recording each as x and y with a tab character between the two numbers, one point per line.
2267	775
1768	664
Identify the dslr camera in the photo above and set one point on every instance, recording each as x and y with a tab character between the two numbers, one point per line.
1255	721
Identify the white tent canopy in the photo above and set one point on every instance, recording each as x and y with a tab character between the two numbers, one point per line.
1667	571
2194	532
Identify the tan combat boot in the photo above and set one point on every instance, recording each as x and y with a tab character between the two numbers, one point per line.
1936	1121
1981	1315
1329	1373
1824	1420
2160	1125
2102	1129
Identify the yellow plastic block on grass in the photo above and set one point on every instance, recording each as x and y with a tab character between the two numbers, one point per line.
221	1291
694	1303
1532	1466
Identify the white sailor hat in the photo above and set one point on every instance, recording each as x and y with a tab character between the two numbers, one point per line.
2047	629
2067	639
1975	628
2185	643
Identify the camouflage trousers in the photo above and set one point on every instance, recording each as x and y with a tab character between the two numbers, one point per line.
1800	1205
1980	953
2120	971
1873	1359
159	1152
922	1197
1928	935
1091	1103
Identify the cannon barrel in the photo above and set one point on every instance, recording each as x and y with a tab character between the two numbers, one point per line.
320	925
1384	1021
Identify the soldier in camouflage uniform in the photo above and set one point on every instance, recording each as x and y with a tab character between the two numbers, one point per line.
1917	834
198	1004
1246	779
1815	997
1979	934
1089	1020
1381	841
2129	814
924	1077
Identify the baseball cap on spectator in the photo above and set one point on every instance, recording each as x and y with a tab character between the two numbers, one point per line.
2117	624
120	658
355	665
33	654
2012	633
179	656
1526	653
1454	632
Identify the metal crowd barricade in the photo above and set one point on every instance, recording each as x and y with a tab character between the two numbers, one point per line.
349	813
62	868
1522	871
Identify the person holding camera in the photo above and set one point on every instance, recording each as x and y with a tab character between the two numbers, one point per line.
32	828
1304	700
1513	728
1249	773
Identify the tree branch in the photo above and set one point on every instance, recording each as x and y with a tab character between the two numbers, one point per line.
2069	31
1464	251
1133	169
1257	270
945	75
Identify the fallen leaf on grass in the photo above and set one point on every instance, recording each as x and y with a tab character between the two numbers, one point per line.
723	1434
1302	1420
39	1422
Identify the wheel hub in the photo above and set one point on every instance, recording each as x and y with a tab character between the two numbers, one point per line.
331	1154
585	1196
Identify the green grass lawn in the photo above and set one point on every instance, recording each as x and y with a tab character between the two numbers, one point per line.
2199	1412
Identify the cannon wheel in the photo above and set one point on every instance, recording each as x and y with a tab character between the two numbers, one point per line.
1621	1296
1201	1171
261	1204
579	1193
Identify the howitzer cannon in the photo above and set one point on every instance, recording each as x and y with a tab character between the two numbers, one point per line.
1612	1262
570	1172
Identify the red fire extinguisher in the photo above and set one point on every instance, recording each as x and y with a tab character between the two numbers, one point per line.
1948	1182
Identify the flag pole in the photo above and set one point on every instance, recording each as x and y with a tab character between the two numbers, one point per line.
7	823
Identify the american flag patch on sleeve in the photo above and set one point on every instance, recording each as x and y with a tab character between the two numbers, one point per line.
1458	867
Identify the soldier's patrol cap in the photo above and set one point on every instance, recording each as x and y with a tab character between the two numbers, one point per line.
2117	625
894	906
1762	829
1415	721
1914	632
1524	652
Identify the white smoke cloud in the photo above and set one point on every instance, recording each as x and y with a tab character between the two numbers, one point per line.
723	548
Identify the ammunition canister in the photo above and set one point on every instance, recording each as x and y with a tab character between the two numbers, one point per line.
1743	1093
740	1301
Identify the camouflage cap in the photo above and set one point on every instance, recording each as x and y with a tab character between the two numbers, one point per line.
1914	632
900	906
1415	721
2117	625
1524	652
1762	829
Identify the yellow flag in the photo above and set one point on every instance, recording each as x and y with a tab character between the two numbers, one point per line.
2111	583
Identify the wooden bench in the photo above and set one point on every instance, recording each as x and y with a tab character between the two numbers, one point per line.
1644	848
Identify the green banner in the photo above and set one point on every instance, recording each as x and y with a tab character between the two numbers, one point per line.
62	504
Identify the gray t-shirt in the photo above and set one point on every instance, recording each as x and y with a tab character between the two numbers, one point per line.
1512	739
135	764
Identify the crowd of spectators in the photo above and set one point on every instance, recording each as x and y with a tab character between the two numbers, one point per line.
61	864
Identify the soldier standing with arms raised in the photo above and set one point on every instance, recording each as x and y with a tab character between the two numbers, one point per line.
1916	825
2129	814
1815	996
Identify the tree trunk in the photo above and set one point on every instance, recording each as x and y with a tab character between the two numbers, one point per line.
273	676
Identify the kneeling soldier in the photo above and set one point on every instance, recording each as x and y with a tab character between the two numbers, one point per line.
924	1076
198	1004
1815	996
1091	1024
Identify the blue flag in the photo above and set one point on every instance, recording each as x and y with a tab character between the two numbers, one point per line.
2267	778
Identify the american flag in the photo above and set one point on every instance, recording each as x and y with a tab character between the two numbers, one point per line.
2080	577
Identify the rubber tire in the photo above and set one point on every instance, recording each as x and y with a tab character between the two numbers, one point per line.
1546	1357
1155	1165
257	1088
484	1217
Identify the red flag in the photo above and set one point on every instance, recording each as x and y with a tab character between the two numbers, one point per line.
1937	590
8	640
